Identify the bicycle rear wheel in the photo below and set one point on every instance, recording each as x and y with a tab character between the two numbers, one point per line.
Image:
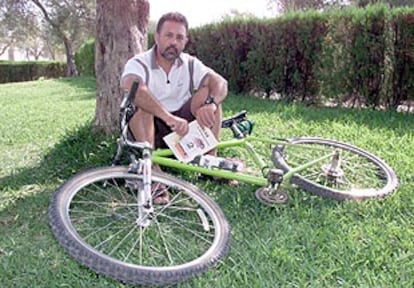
94	217
360	175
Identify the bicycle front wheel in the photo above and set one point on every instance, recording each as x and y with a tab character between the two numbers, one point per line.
354	174
94	217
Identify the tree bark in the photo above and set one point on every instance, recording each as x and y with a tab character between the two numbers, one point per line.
71	70
121	32
11	53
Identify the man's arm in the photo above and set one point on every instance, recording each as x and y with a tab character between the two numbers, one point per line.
146	101
144	98
213	85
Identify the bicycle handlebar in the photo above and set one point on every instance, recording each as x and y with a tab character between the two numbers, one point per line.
237	118
131	96
127	110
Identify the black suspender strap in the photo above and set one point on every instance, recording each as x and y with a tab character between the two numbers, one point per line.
146	71
191	70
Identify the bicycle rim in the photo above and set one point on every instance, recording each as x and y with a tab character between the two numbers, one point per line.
361	175
94	217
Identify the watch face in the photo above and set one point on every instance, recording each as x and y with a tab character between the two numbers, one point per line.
209	100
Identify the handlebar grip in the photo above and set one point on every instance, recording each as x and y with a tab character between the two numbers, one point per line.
134	87
129	99
226	123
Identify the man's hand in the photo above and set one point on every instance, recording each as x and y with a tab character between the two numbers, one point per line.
178	125
205	115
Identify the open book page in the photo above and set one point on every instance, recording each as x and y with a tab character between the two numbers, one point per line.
197	141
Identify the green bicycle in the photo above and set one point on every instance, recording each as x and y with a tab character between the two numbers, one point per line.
106	219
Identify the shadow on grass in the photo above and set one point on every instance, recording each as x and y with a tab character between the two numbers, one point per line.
79	150
254	224
85	85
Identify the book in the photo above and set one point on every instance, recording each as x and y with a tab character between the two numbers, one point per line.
196	142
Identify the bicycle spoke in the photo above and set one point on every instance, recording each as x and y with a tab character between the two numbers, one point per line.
95	217
105	215
164	242
132	249
169	204
96	230
122	241
354	166
357	173
188	222
198	235
111	237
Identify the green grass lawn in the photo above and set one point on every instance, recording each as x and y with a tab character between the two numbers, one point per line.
45	137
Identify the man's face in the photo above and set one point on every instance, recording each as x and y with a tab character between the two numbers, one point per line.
171	40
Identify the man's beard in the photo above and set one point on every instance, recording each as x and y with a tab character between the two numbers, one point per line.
170	53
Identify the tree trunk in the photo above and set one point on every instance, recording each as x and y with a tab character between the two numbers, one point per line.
50	50
11	53
121	32
70	59
71	70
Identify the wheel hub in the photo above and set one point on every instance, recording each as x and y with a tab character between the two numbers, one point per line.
332	173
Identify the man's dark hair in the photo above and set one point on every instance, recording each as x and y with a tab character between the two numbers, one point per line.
172	16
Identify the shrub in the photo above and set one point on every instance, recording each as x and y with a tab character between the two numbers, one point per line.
85	58
18	71
361	56
402	77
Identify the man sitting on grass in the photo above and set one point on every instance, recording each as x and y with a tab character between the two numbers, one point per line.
164	100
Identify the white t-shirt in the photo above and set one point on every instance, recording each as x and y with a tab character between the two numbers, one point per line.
172	90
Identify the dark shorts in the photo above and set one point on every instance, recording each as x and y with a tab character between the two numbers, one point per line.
161	129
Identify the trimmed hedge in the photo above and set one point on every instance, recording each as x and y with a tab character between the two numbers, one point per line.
356	50
402	72
289	51
11	71
358	56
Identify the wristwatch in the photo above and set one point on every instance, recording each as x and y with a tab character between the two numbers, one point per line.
210	100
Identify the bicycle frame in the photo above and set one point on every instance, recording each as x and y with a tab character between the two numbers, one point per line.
163	158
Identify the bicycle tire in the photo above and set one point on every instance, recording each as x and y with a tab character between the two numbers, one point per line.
385	181
79	234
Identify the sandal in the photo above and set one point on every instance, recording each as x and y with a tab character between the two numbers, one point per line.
230	182
241	166
160	194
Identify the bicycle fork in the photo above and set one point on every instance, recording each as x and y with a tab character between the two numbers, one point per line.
144	198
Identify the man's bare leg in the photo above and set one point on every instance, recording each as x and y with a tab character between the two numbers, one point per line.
217	127
142	127
202	94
